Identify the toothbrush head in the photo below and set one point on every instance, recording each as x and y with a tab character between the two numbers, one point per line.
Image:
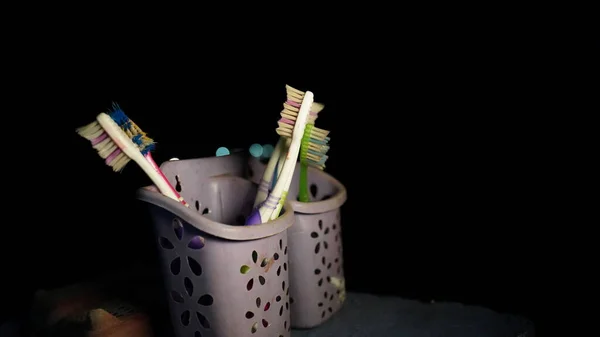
315	144
113	152
137	136
291	107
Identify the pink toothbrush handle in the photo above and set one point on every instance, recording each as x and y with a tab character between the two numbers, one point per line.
157	169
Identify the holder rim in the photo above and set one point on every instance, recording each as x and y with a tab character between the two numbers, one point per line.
313	207
218	229
322	206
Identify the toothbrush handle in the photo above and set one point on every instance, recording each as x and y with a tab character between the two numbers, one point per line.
282	159
172	192
303	188
265	181
284	194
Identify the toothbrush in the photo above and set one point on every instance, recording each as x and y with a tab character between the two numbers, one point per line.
313	152
275	165
271	207
285	179
312	156
286	124
118	148
140	138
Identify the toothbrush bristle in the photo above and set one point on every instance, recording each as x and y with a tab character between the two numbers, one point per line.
317	107
107	149
104	145
315	145
291	107
137	136
314	112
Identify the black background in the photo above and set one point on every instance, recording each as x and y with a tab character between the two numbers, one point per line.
433	139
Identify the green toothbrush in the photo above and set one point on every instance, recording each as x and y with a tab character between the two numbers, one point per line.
313	152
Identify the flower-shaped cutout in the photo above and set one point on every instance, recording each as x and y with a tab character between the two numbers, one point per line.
276	257
326	265
205	300
339	284
320	238
250	315
283	299
195	243
182	245
265	264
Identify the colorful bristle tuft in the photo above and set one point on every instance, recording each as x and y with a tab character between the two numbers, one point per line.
314	112
106	147
291	107
315	145
137	136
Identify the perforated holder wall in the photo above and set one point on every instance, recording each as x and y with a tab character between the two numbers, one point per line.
222	280
315	242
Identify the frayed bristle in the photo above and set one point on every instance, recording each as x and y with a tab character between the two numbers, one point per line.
317	133
314	147
104	145
322	148
317	107
294	94
137	136
117	115
314	112
316	161
90	131
290	111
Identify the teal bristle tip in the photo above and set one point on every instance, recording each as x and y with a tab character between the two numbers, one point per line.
316	153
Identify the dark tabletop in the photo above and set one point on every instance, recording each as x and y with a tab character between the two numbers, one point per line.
365	315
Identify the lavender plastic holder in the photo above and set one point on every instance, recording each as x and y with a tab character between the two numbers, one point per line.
222	279
315	242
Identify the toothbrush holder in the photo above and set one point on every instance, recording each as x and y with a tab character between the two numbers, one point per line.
222	279
315	247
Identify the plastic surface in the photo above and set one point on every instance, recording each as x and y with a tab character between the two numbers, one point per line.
316	249
222	280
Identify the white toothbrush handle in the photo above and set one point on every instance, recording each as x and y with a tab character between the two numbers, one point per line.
287	185
132	151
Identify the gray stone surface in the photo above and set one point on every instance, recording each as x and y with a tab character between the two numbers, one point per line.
365	315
